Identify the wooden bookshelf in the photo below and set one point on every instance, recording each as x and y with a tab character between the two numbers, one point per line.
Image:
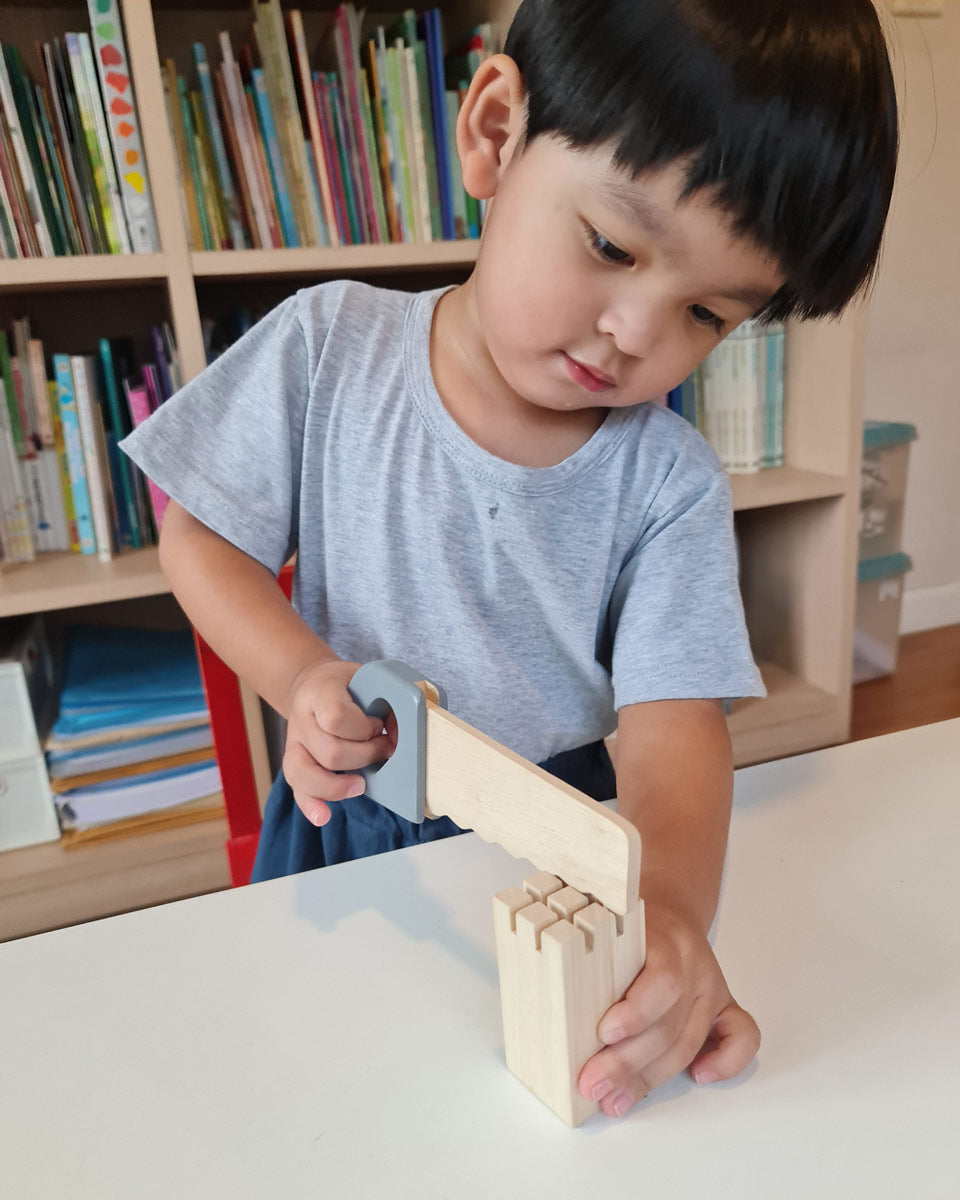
796	524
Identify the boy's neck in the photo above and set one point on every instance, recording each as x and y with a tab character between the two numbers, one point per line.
478	398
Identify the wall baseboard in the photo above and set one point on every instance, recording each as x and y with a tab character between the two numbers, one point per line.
929	608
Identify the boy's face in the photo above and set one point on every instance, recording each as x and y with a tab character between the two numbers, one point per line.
594	289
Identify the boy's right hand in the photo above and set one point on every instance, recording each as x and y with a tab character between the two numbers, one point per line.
327	733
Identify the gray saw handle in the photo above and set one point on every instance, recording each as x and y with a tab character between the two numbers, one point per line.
400	782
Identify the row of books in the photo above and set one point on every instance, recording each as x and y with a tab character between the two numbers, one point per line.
735	398
73	179
274	150
64	485
131	748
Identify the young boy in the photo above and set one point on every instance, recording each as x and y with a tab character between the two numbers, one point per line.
473	482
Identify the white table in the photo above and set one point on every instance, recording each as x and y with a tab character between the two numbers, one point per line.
337	1034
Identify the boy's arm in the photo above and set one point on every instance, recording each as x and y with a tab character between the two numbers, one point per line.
235	604
674	782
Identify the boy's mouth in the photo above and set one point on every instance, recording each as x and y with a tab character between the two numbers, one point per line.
592	378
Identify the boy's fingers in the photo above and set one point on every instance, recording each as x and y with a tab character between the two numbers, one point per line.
731	1046
648	999
343	719
313	786
341	754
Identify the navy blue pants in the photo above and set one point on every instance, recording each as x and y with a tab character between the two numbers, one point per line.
360	826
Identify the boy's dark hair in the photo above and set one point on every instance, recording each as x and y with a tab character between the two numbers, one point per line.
787	106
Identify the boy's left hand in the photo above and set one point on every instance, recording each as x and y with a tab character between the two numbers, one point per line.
677	1013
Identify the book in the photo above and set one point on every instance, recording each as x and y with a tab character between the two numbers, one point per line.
138	402
346	38
105	195
271	144
103	140
119	799
271	38
25	165
188	813
118	429
309	107
228	192
63	471
68	154
68	763
62	784
432	33
73	443
123	125
95	460
267	231
188	194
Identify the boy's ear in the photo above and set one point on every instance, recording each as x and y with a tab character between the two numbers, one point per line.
490	125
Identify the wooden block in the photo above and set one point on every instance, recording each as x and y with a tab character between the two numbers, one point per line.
563	961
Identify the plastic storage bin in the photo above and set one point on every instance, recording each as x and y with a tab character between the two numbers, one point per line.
883	486
876	636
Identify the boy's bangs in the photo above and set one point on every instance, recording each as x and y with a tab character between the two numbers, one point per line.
794	126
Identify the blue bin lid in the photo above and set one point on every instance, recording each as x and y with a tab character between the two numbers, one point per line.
869	570
887	433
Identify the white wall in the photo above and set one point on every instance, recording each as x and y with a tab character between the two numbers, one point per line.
913	338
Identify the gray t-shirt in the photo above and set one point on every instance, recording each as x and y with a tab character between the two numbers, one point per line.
541	599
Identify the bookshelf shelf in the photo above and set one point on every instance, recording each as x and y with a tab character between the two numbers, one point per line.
44	887
339	260
81	271
784	485
56	581
792	718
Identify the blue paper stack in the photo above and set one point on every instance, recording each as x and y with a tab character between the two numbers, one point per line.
132	743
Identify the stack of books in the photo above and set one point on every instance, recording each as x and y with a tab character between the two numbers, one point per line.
73	179
64	485
736	398
131	748
276	151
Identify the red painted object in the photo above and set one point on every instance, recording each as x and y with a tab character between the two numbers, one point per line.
222	688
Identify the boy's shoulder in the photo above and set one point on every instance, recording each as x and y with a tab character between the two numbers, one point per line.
682	452
362	303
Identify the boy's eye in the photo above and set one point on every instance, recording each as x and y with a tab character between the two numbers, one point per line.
705	317
606	249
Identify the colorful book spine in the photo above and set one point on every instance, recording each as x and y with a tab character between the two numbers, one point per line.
124	125
432	25
124	472
246	137
277	64
95	461
103	139
24	166
63	471
346	23
73	442
271	145
138	400
227	191
349	186
309	104
98	169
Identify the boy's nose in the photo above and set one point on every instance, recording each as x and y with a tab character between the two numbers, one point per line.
635	328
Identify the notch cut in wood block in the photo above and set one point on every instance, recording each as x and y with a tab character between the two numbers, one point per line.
563	960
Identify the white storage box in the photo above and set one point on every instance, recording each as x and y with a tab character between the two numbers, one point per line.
883	486
27	811
876	637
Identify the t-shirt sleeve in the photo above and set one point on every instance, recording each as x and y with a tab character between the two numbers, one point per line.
677	621
228	445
